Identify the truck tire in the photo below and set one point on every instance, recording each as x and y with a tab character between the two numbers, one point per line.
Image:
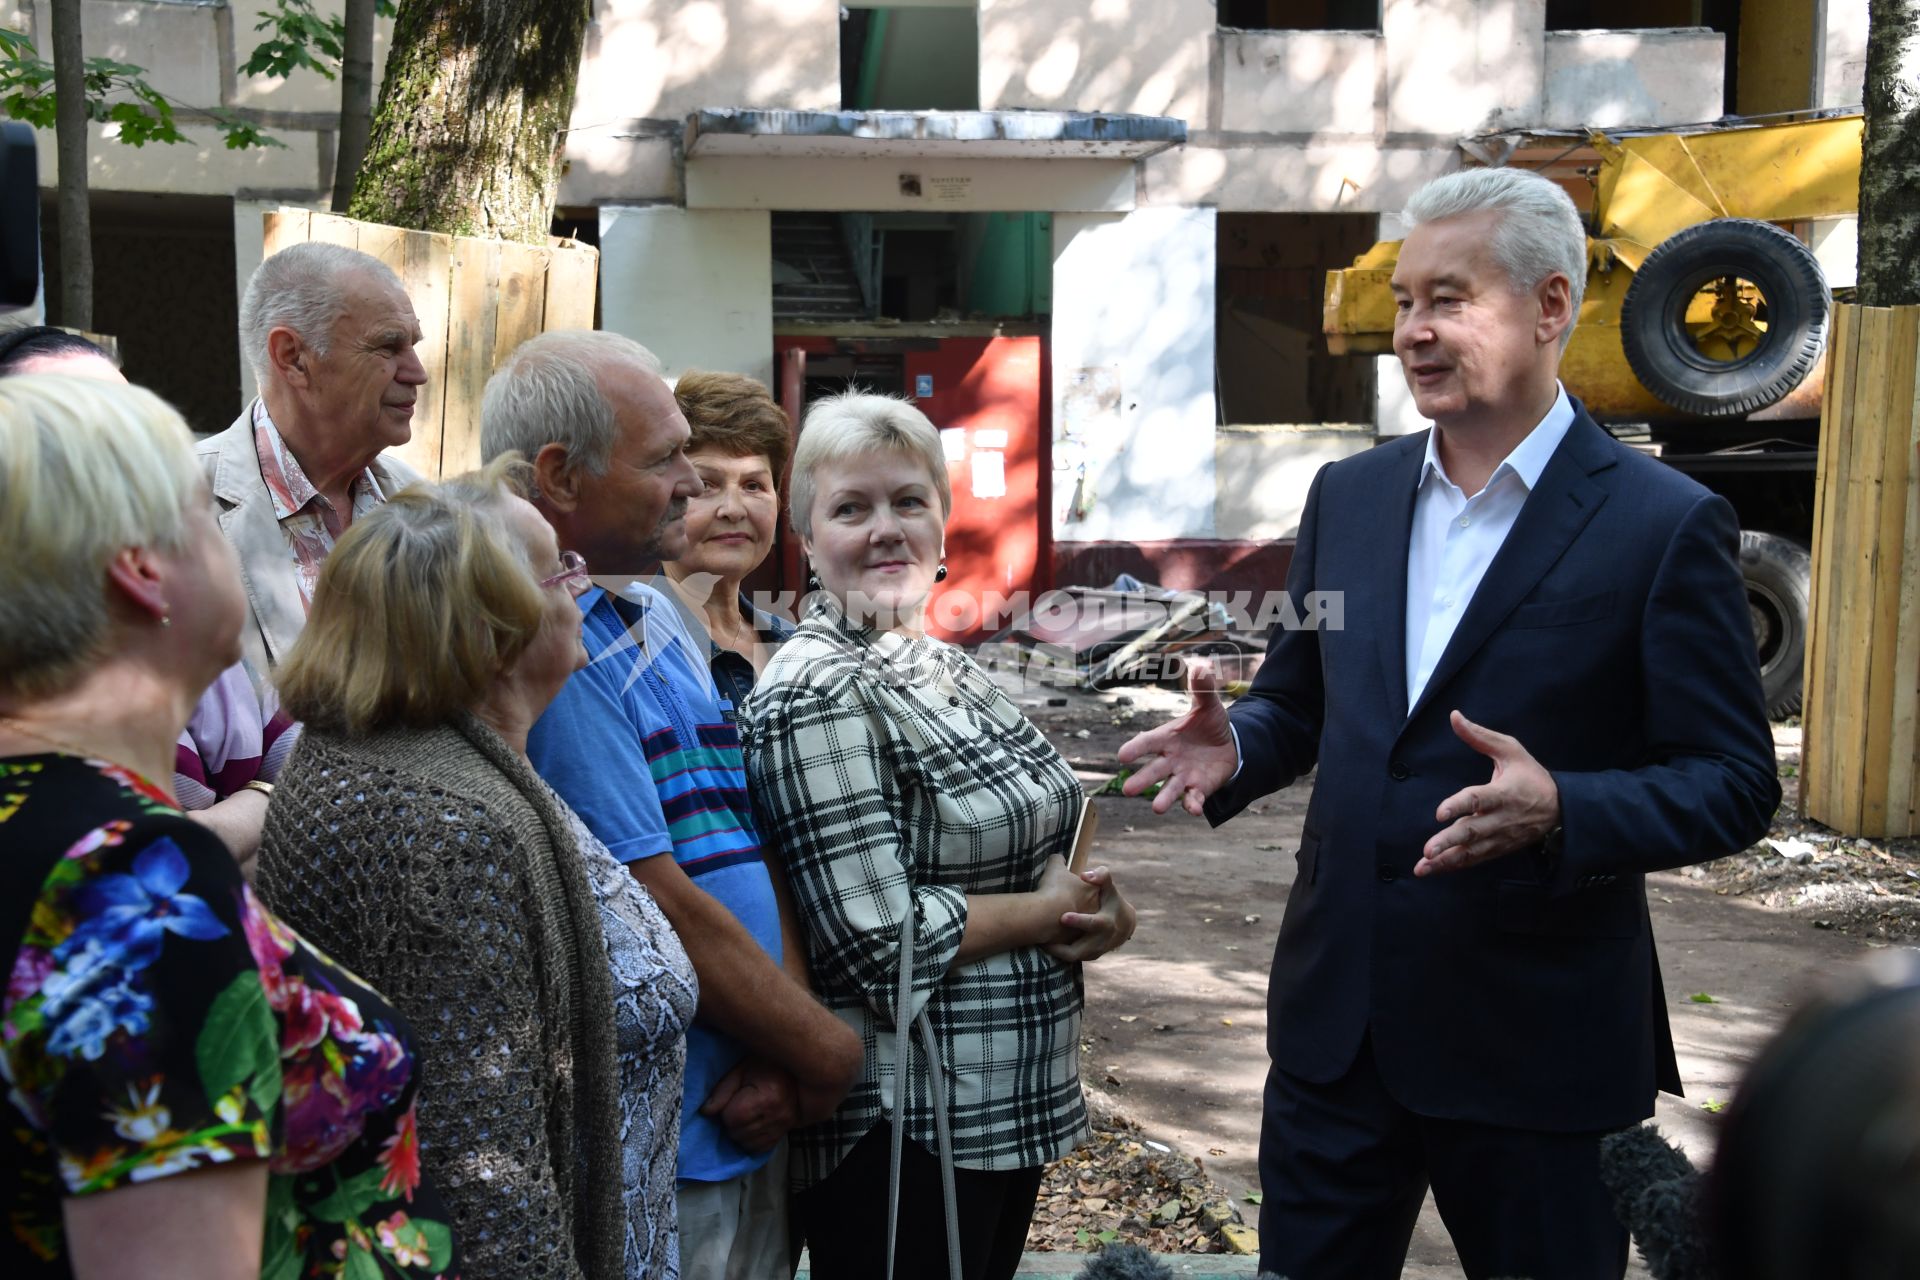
1778	573
1664	354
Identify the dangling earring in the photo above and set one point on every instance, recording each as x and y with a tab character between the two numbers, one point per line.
813	579
940	574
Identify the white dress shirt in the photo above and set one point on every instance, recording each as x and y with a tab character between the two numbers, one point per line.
1455	538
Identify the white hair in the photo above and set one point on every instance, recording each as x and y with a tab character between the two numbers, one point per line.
1537	233
548	392
88	468
304	287
856	422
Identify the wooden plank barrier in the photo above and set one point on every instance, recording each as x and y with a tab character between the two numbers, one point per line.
476	301
1860	758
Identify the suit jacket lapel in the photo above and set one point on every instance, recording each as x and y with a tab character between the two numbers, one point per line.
266	561
1390	615
1552	517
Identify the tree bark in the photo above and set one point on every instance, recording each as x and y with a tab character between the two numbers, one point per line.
472	117
70	146
1890	158
356	99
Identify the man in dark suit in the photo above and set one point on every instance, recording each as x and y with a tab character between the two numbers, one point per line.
1544	688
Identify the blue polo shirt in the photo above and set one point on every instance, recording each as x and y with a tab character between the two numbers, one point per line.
641	745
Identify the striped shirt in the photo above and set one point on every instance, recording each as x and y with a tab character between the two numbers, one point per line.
895	777
638	745
309	521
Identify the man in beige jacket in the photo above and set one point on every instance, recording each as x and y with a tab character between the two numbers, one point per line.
330	336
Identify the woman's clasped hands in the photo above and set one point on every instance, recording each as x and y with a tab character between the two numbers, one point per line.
1095	917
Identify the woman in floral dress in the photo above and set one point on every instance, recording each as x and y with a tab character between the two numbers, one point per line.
191	1089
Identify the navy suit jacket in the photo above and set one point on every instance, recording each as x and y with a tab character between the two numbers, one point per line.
1611	636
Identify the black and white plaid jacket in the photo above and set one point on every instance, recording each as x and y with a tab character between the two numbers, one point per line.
891	775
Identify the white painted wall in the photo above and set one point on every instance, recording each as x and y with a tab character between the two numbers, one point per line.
1142	56
1299	81
945	185
1843	57
662	59
1836	245
1133	404
1360	176
1265	473
694	286
1607	79
1462	66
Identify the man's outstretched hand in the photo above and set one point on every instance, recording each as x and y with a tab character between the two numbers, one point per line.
1515	810
1195	754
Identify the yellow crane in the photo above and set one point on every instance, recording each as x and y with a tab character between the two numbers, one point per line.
1705	319
1697	303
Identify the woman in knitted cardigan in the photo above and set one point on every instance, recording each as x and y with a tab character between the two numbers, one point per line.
409	837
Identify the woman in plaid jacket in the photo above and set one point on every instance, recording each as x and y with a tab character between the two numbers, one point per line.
899	783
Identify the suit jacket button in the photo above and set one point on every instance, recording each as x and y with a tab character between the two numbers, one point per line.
1387	875
1399	772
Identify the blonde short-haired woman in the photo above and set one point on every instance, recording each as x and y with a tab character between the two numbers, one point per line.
193	1090
925	823
409	835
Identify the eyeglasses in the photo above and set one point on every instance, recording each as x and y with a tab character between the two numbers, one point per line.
573	572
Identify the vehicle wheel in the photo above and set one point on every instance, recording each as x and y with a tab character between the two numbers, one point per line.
1778	573
1725	317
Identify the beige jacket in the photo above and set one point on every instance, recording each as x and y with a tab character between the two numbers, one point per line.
245	509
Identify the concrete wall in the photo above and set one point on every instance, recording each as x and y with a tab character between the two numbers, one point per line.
1312	82
1146	56
1843	60
1606	79
661	59
943	186
1133	406
191	53
1264	473
1462	66
694	286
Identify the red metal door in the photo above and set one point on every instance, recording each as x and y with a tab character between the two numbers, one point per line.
987	396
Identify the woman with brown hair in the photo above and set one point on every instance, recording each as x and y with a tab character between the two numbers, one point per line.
740	443
410	836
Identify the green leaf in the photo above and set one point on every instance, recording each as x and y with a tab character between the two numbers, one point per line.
1713	1106
1082	1237
350	1197
1107	1237
15	44
1701	997
1251	1197
279	1260
361	1265
240	1044
439	1243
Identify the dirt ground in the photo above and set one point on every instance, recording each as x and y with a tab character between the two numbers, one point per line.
1176	1022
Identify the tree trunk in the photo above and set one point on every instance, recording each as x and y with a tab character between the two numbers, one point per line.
70	143
1890	157
356	99
472	117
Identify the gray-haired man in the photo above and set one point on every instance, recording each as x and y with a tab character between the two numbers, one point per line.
640	746
330	335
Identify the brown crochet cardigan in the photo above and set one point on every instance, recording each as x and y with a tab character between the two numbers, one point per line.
437	866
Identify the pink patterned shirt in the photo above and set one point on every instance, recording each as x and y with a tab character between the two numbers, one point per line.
310	522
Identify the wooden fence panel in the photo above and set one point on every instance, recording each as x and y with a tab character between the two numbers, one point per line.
470	342
1859	772
476	301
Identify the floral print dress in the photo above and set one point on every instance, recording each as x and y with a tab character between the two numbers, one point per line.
158	1019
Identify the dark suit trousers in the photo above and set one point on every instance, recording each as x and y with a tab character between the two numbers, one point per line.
1344	1169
